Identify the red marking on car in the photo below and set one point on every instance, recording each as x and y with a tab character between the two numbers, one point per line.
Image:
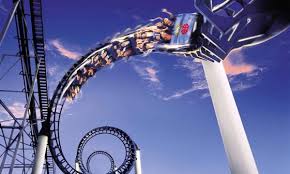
184	28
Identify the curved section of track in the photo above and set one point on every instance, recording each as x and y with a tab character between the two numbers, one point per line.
112	167
128	143
142	40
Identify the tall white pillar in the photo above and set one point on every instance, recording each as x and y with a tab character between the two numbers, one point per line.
238	150
40	154
138	168
77	167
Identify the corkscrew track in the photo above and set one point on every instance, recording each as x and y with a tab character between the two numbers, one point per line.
128	143
112	167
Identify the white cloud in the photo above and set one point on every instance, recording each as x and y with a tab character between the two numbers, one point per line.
17	108
240	86
52	70
235	63
246	81
55	73
179	94
152	74
137	18
148	70
57	45
241	75
196	75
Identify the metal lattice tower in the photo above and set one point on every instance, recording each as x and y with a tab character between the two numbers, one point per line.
18	134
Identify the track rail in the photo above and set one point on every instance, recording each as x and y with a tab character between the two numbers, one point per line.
142	40
112	167
128	143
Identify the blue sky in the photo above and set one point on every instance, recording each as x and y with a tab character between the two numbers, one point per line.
160	100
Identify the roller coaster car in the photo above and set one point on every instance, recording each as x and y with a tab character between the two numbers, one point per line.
184	27
218	27
184	34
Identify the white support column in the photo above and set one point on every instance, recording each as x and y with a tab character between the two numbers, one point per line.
77	167
40	154
138	168
238	150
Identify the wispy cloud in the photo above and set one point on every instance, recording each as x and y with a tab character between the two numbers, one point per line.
148	70
55	73
179	94
244	81
242	75
52	70
17	108
137	18
3	9
196	75
235	63
152	74
62	50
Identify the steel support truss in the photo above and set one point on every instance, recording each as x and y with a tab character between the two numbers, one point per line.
19	134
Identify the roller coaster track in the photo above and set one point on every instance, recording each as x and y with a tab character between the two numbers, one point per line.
142	40
39	52
101	153
217	35
161	35
128	143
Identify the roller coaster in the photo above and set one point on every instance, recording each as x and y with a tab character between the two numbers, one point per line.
208	35
100	153
140	41
130	149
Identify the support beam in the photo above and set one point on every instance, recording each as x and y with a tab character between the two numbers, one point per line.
8	21
77	167
138	168
40	154
238	150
